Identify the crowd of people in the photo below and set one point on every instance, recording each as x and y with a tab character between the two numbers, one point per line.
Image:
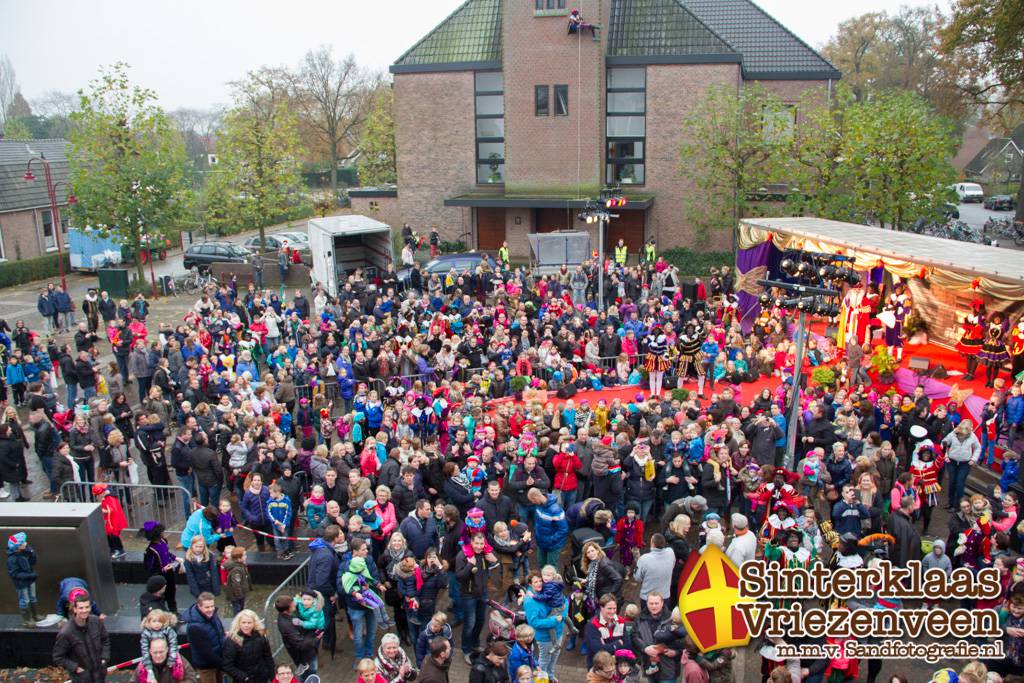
407	427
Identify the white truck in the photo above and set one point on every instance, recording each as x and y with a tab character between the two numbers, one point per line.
340	244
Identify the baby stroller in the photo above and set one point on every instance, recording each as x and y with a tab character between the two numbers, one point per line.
503	619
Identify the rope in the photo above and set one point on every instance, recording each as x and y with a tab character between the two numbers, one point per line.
285	538
130	662
579	107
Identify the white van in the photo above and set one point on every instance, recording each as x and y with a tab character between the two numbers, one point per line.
969	192
340	244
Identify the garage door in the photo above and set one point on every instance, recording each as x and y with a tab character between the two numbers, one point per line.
630	227
549	220
490	228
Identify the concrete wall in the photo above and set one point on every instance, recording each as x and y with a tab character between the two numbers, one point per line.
435	140
673	91
552	154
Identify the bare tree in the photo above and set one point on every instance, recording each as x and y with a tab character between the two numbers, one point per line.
334	97
198	128
8	87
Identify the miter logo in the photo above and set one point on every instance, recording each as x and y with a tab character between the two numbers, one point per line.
709	596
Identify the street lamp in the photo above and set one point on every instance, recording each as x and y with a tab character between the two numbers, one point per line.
598	212
51	190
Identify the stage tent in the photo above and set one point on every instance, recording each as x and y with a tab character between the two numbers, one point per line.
943	276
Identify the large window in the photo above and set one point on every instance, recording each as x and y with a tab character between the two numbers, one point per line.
540	100
626	126
3	254
550	4
490	127
49	239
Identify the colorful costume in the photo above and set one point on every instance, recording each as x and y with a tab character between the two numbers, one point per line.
972	336
993	350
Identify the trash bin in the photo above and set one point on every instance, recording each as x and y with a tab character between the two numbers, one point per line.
114	281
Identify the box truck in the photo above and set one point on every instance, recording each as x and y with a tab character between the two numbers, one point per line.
340	244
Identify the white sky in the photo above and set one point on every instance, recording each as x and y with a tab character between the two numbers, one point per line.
187	50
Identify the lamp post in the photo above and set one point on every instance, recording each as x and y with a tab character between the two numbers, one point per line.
597	212
51	190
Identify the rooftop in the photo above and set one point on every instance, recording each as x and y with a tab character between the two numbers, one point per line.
640	31
974	259
988	154
18	194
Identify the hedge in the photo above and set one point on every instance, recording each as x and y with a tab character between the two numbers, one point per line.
698	262
28	270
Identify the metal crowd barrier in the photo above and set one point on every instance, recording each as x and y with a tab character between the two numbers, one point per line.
295	583
141	502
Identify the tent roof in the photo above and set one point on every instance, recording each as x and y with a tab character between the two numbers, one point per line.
974	259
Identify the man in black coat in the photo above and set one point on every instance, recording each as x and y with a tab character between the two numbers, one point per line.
68	373
609	344
908	539
820	432
655	617
86	371
206	468
301	646
406	492
83	644
497	506
205	637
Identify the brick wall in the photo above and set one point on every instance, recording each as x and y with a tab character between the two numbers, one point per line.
435	140
21	235
542	152
792	92
388	210
516	235
673	91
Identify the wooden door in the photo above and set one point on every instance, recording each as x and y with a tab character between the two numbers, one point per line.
550	220
490	228
630	227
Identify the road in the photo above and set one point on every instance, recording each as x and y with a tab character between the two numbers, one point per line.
19	303
975	215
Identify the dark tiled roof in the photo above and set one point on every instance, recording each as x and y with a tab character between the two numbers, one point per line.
983	158
769	49
16	193
472	33
1018	136
641	28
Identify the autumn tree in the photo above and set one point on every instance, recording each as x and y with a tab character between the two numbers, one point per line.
333	97
377	160
732	147
8	86
258	171
127	163
990	34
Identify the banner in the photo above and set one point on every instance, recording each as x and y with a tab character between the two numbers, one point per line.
751	266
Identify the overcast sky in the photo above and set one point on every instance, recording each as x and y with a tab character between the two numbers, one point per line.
187	50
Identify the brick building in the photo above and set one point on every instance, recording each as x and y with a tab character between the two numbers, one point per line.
26	223
506	122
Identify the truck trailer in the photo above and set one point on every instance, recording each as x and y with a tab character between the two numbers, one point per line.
341	244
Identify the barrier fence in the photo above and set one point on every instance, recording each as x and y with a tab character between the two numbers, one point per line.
141	502
292	585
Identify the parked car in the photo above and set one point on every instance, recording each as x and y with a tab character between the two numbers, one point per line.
273	243
445	262
969	192
202	255
1001	202
293	236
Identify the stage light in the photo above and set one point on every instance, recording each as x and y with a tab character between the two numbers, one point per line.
765	298
827	272
788	266
803	269
803	305
854	278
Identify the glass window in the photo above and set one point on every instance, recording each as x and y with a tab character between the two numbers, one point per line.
490	173
540	100
561	100
627	78
778	123
484	150
487	105
3	254
625	103
626	126
490	128
489	81
49	239
626	173
625	149
549	4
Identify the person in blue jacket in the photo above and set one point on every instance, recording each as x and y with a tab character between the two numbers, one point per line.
205	635
62	301
16	379
545	624
551	527
522	652
279	511
48	309
346	387
322	577
254	508
201	523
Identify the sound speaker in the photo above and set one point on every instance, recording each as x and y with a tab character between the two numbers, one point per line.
566	391
919	364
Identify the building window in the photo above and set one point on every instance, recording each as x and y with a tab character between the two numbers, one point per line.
49	239
626	126
3	253
542	5
779	123
540	100
561	100
490	128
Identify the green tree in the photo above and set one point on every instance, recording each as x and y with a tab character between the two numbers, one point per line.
896	156
16	128
258	169
733	143
377	142
990	34
128	166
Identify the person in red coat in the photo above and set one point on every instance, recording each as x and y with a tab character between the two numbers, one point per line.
567	464
114	521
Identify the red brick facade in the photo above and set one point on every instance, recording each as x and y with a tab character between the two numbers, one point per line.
21	235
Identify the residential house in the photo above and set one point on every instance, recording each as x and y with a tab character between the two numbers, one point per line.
26	220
